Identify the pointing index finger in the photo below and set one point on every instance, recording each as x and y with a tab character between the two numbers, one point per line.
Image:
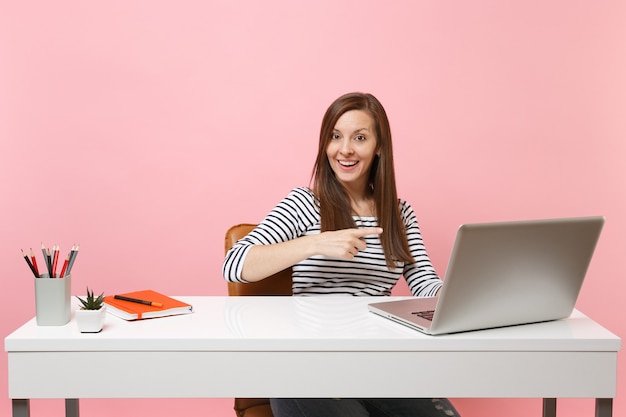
366	231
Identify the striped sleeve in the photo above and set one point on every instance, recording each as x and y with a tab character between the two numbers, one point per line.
420	276
288	220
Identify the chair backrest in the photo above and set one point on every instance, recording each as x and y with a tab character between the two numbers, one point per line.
277	284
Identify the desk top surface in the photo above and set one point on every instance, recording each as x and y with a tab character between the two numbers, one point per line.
221	323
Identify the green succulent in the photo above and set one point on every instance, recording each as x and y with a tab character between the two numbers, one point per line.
91	302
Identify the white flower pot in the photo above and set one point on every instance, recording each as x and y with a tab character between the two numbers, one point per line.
90	321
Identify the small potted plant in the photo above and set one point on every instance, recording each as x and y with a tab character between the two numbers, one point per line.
90	316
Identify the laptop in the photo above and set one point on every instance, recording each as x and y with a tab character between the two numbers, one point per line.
505	274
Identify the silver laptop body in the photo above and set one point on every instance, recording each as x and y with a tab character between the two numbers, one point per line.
504	274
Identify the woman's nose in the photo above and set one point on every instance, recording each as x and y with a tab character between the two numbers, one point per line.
346	147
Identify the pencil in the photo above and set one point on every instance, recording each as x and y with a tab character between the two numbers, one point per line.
67	261
32	258
137	300
46	258
55	252
30	265
73	255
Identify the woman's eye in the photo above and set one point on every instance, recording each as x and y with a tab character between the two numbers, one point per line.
359	137
334	136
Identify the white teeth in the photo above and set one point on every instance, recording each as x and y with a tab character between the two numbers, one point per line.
347	163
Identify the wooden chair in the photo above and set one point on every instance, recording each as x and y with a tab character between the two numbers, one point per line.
277	284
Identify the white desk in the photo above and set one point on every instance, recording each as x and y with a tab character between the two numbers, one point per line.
311	347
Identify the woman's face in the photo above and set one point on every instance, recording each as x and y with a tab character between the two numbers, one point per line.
352	148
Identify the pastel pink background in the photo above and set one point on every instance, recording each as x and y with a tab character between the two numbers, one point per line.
144	129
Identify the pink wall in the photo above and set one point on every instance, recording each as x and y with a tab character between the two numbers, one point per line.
142	130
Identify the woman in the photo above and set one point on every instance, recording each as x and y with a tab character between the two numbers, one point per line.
348	234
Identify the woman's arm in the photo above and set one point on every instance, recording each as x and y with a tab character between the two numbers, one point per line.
420	276
281	240
262	261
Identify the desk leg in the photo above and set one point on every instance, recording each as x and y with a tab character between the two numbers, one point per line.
71	407
21	408
549	407
604	407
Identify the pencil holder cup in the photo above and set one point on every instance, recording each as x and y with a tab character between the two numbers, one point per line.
52	300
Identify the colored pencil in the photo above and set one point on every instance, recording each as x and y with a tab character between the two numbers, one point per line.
73	255
30	265
67	261
34	260
55	260
46	258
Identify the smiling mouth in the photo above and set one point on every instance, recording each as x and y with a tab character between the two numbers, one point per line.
348	164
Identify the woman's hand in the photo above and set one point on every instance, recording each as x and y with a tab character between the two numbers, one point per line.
344	244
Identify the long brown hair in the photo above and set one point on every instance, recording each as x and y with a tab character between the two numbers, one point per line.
335	207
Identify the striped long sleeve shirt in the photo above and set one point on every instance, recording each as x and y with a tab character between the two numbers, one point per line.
367	274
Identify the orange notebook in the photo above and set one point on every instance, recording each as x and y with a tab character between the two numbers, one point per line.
129	310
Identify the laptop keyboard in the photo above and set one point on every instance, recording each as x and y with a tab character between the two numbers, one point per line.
428	315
